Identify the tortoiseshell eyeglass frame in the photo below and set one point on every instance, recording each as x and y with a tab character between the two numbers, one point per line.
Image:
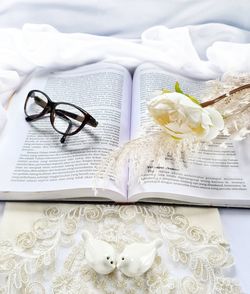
50	108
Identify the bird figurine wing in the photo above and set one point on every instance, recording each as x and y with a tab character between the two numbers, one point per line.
90	246
148	258
137	258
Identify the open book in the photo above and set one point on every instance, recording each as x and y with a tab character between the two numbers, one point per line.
35	165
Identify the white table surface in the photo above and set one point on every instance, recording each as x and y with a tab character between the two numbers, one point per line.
236	225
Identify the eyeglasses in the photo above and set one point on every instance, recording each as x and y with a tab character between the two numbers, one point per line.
66	118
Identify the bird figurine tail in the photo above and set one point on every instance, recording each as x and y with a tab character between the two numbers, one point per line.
86	235
158	243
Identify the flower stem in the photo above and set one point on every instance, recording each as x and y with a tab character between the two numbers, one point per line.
211	102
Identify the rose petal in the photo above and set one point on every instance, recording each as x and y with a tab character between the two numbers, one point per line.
213	133
216	118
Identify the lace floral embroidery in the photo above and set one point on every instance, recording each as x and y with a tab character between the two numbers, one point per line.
34	264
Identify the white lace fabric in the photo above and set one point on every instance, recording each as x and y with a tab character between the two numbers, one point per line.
50	257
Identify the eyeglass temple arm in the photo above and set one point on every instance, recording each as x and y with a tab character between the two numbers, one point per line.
59	113
92	122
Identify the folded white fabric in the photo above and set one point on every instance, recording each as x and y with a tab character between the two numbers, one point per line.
42	47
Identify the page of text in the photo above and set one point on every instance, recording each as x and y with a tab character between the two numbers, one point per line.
31	153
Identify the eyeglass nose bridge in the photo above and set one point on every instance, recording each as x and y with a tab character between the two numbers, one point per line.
50	106
51	110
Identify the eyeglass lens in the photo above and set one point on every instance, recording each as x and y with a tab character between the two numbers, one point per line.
36	103
67	118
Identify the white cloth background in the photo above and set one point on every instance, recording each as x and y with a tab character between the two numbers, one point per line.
218	32
122	18
236	226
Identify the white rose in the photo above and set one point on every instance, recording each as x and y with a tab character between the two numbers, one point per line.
180	117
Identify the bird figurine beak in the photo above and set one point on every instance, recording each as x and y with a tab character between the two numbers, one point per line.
118	264
112	263
122	262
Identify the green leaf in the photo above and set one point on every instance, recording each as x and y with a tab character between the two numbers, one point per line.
176	138
164	91
193	99
178	88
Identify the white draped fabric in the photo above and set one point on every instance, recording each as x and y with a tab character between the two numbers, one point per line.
202	52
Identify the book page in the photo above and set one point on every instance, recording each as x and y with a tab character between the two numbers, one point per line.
214	175
31	155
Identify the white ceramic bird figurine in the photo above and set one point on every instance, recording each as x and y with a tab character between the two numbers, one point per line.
137	258
99	254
